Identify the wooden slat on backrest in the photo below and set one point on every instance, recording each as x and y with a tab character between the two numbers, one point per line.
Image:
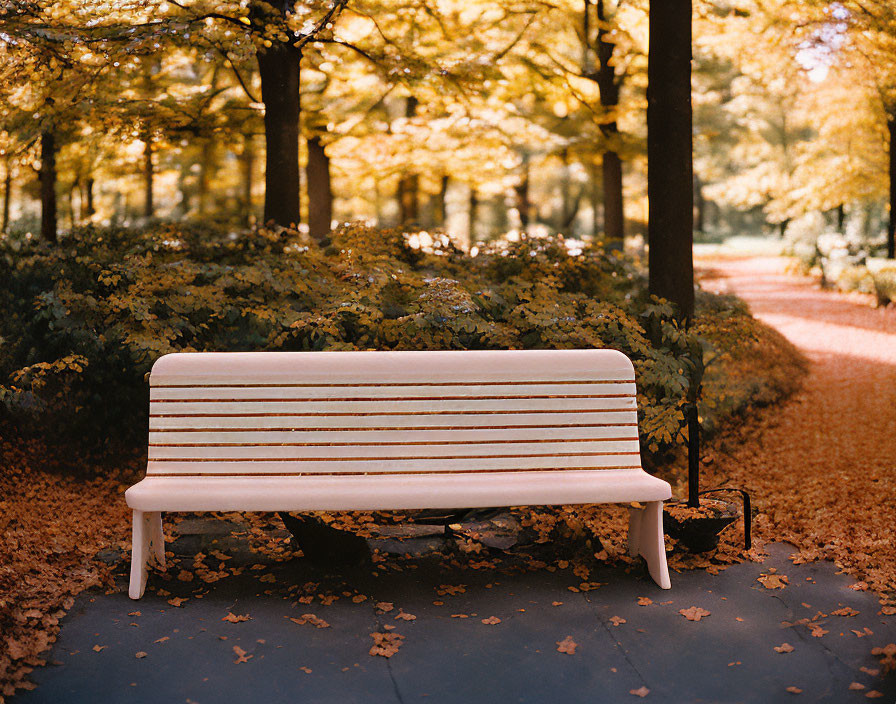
417	412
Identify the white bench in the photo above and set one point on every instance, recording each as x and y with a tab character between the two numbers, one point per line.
341	431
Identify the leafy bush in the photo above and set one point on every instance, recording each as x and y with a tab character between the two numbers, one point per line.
87	318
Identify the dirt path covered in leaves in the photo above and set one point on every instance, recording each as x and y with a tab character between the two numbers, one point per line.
821	467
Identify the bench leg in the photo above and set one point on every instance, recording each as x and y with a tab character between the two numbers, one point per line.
141	526
651	544
157	538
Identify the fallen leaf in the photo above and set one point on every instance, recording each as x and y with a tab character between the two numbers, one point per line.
783	648
310	619
134	613
98	648
556	603
385	644
306	670
140	654
695	613
873	671
794	690
617	620
887	656
491	621
845	611
404	616
640	692
177	601
644	601
233	618
358	598
567	645
856	686
241	655
773	580
861	634
269	578
816	630
384	606
738	618
162	639
873	694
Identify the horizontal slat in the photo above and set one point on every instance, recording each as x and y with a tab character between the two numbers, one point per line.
438	390
389	407
307	453
394	465
381	436
454	420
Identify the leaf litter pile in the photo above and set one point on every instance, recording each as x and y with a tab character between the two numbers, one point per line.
55	524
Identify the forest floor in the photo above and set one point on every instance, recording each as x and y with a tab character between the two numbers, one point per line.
215	625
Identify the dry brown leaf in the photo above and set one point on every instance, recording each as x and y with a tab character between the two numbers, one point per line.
864	632
405	616
358	598
873	694
817	631
783	648
241	655
794	690
773	580
451	589
639	692
872	671
306	670
556	603
233	618
845	611
887	655
385	644
384	607
567	645
695	613
617	620
311	620
162	639
491	621
856	686
178	601
98	648
140	654
644	601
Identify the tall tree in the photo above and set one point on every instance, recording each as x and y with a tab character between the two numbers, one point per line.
670	171
320	194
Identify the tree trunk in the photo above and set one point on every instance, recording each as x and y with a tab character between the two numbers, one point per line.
670	178
279	70
90	208
148	176
48	186
473	207
247	159
320	193
608	84
891	225
206	168
440	211
409	184
699	205
7	192
523	202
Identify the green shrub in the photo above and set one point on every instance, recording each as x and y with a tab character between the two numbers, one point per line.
87	318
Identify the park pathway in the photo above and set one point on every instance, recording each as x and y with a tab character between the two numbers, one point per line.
822	467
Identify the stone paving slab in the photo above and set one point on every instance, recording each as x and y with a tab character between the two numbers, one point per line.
726	657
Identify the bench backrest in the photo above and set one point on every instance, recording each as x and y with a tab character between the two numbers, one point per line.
345	413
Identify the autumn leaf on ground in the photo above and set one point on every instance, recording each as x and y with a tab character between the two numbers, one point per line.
306	670
644	601
491	620
177	601
695	613
233	618
861	634
567	645
310	619
384	606
845	611
874	694
856	686
241	655
98	648
385	644
794	690
140	654
405	616
816	630
773	580
639	692
873	671
887	656
162	639
784	648
617	620
358	598
451	589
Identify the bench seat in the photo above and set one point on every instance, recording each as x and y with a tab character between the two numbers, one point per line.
328	431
